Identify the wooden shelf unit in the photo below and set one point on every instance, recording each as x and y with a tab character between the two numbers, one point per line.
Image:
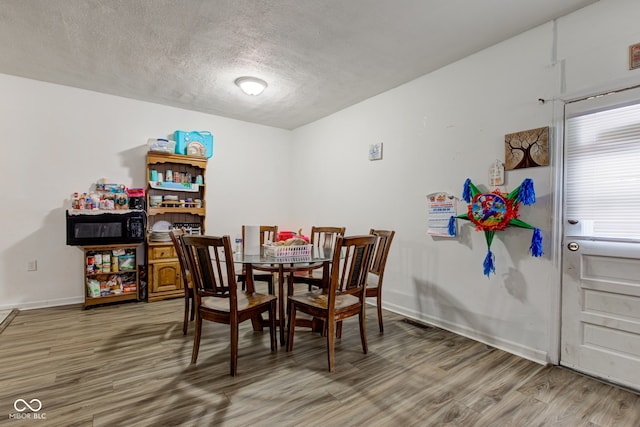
124	278
164	277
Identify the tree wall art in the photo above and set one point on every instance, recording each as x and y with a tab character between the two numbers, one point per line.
526	149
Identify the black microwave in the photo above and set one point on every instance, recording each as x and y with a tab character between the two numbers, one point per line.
105	228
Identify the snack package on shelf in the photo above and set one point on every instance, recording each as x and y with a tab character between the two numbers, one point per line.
93	288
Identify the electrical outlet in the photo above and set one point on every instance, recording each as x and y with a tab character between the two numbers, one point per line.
32	265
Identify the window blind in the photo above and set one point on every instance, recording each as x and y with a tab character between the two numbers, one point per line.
602	172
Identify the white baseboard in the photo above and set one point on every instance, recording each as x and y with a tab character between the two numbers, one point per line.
529	353
43	304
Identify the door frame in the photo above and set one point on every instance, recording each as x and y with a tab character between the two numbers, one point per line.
557	182
557	225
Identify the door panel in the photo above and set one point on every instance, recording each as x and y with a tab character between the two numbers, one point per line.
601	310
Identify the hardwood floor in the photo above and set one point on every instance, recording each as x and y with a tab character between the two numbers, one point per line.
129	365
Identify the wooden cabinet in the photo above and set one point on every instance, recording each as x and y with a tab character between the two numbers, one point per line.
185	206
165	277
110	273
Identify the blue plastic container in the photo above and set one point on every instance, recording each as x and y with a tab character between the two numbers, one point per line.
183	139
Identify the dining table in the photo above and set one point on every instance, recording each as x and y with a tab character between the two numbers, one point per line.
284	266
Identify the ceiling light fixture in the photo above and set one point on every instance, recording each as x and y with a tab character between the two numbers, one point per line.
251	85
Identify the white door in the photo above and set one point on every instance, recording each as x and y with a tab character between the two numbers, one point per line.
600	333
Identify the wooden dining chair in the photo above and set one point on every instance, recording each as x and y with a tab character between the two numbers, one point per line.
376	271
267	233
217	296
321	237
343	298
187	283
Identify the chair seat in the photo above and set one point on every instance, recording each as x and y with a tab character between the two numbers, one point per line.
245	301
320	300
372	280
260	267
312	277
316	273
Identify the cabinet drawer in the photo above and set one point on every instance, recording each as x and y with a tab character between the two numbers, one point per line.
163	252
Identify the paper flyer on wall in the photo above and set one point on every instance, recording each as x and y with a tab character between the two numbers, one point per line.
441	207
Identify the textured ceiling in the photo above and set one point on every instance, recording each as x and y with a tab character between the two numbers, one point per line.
318	56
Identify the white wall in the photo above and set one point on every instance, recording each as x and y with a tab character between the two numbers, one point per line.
448	126
437	131
57	140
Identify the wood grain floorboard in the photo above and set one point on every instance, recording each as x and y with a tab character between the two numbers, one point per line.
129	365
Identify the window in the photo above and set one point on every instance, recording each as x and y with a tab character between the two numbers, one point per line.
602	168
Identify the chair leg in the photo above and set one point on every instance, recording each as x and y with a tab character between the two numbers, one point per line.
379	303
193	307
331	342
196	339
363	329
290	290
185	322
272	326
234	347
290	283
241	278
270	285
291	325
339	330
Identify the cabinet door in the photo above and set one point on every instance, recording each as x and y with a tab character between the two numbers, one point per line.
166	276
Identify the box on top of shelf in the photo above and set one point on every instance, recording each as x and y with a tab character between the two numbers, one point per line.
161	145
194	143
135	192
